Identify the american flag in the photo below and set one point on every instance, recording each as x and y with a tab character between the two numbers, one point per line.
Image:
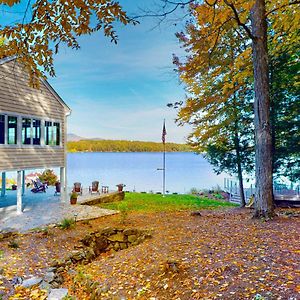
164	133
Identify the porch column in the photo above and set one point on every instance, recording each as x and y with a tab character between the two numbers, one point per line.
19	192
3	189
23	182
63	184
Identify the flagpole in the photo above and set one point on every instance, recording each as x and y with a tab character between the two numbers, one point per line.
164	157
164	170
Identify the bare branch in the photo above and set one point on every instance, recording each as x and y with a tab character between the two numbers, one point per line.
282	6
165	13
237	18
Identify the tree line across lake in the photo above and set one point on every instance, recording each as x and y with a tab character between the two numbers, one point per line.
123	146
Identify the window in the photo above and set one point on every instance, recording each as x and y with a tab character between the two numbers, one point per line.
48	133
2	129
12	130
36	137
26	131
56	133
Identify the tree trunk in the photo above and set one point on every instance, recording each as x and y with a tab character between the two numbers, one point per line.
263	142
241	185
239	163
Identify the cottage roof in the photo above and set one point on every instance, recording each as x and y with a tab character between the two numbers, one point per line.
43	81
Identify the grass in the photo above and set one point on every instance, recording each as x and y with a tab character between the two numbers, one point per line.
67	223
155	203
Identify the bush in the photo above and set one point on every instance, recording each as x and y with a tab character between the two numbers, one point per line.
13	244
66	223
48	176
123	208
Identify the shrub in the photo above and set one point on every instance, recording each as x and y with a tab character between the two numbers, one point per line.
194	191
123	208
48	176
67	223
13	244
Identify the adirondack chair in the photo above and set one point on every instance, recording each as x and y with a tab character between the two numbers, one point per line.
94	188
57	188
77	188
38	186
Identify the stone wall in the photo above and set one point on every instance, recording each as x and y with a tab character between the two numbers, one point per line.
104	198
114	239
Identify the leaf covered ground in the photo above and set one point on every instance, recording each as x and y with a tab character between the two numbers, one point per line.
222	254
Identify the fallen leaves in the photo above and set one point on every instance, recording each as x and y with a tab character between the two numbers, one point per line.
222	255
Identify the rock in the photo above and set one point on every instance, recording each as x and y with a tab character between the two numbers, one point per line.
57	294
16	280
123	246
132	238
195	213
31	282
72	272
140	239
45	286
55	285
100	244
87	240
118	237
89	254
60	269
77	256
57	263
117	246
58	279
130	232
51	269
49	276
108	231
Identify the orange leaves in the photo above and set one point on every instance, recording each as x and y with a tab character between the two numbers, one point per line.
55	23
9	2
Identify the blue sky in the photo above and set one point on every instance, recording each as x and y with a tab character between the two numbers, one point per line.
121	91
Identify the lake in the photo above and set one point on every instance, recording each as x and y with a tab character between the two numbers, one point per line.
139	171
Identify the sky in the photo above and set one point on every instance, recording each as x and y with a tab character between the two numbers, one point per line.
121	91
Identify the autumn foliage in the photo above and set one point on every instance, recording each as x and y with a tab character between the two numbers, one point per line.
54	23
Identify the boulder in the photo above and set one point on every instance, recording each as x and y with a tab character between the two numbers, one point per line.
45	285
100	244
123	246
57	294
108	231
118	237
77	256
132	238
49	276
130	232
31	282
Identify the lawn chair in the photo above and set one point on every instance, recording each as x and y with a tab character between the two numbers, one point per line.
57	188
94	188
77	188
38	186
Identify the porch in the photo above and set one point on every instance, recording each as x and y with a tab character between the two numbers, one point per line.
42	209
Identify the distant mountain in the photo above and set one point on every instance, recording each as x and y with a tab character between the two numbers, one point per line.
71	137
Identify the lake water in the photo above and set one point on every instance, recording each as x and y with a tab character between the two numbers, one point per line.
139	171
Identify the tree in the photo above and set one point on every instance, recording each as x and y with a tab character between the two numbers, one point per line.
285	114
53	23
251	17
219	106
48	176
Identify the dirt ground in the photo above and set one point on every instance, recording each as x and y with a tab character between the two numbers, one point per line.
222	254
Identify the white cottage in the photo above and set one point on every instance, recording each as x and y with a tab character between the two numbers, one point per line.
32	127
